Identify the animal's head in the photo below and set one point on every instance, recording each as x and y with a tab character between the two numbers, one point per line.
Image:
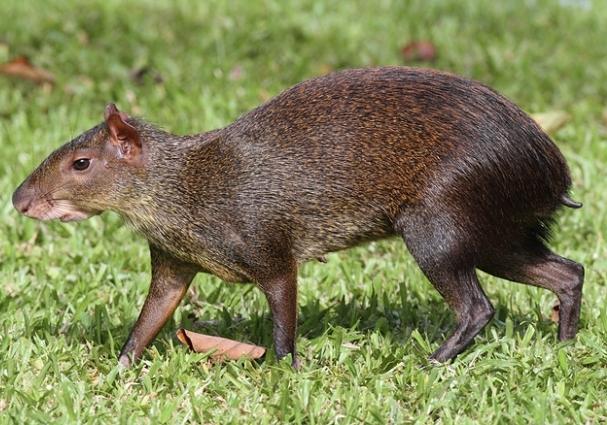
86	176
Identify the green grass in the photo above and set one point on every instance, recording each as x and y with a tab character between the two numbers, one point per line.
368	318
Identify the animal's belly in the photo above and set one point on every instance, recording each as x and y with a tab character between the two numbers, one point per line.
322	238
186	246
216	265
224	273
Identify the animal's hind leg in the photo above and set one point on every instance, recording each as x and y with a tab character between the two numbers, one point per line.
473	309
444	257
536	265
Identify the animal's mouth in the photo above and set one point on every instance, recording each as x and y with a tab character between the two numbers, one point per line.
75	216
53	209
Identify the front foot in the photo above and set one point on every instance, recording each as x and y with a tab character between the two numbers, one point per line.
295	362
281	292
440	357
170	281
129	353
124	361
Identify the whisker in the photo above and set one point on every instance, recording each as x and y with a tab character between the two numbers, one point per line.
52	191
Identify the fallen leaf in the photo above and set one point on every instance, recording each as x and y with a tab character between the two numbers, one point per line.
551	121
219	348
554	315
419	51
605	116
21	67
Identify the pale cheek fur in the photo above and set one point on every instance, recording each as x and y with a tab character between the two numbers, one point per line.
64	210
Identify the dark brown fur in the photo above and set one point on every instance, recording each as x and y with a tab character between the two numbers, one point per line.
462	174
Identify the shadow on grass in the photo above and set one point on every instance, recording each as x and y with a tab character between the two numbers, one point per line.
393	319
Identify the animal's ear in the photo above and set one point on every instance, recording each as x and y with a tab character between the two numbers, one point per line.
123	135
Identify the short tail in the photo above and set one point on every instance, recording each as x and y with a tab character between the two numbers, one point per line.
568	202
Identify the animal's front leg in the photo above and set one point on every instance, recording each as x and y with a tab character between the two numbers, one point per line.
170	281
281	292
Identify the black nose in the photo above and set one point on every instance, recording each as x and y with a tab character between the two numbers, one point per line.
21	200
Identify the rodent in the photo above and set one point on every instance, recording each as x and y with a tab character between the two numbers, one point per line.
466	178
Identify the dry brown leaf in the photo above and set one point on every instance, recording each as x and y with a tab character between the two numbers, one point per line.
219	348
21	67
421	50
551	121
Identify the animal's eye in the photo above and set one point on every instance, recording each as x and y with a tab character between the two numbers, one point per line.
81	164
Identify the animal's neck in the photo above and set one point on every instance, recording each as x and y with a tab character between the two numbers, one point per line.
171	192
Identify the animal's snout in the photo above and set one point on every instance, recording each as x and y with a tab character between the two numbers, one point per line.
22	200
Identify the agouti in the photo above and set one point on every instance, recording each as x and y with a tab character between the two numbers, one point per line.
466	178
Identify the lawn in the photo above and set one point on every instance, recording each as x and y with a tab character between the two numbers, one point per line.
368	318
